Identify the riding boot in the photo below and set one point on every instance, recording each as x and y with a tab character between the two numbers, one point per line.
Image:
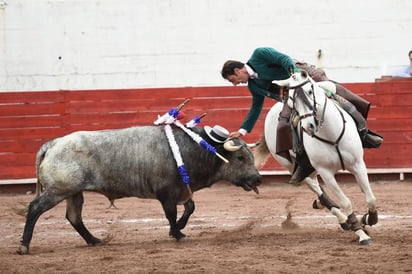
360	103
303	167
369	139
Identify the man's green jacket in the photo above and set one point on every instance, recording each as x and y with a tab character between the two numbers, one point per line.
270	65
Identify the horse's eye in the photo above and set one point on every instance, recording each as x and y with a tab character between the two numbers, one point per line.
241	158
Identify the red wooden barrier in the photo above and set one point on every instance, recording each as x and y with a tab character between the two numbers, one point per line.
28	119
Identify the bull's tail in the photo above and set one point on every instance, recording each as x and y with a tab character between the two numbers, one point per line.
39	158
261	153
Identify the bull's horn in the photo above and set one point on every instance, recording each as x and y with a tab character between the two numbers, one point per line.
230	146
253	145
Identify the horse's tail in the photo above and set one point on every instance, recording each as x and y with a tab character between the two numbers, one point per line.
39	158
261	153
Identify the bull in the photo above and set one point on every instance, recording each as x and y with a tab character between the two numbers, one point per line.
132	162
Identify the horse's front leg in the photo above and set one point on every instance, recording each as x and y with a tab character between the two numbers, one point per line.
324	201
361	175
346	204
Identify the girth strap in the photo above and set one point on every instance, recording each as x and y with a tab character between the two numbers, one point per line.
336	143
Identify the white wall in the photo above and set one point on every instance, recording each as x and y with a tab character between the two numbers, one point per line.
92	44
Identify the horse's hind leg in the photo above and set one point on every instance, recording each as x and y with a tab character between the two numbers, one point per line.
370	218
74	215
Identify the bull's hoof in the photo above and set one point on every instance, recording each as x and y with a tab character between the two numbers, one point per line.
345	226
23	250
96	242
365	242
184	239
179	236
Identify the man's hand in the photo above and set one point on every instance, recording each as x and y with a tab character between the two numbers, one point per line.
235	134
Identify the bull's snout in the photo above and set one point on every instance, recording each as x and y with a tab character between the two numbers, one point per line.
252	183
258	180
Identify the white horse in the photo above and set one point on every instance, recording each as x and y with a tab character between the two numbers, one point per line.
332	143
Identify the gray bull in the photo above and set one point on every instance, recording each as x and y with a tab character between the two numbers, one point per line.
131	162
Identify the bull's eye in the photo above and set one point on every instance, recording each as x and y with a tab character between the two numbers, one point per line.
241	158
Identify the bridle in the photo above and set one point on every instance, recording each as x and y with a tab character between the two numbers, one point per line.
314	114
307	103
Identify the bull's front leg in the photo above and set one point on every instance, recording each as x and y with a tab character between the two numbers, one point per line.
170	209
189	209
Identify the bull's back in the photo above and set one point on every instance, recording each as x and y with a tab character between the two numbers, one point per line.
126	162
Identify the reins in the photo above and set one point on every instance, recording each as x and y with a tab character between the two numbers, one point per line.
321	120
300	85
314	112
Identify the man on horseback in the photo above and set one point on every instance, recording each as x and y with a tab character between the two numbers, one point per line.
267	64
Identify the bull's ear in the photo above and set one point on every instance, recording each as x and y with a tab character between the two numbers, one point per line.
231	146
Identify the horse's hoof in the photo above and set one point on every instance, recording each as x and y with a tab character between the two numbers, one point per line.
317	205
365	242
345	226
370	218
23	250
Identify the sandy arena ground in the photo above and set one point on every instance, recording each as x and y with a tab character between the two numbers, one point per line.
231	231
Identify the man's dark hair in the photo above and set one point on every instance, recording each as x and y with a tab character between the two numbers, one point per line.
229	68
409	52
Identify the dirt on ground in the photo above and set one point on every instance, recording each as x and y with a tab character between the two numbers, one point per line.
231	231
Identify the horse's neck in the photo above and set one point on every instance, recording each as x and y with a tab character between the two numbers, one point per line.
330	115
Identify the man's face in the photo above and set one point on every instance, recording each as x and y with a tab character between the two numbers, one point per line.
240	77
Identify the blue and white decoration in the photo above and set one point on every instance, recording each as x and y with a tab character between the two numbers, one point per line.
168	118
200	141
171	117
178	157
195	121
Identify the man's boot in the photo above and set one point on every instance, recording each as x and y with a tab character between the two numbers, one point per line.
360	103
303	167
369	139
